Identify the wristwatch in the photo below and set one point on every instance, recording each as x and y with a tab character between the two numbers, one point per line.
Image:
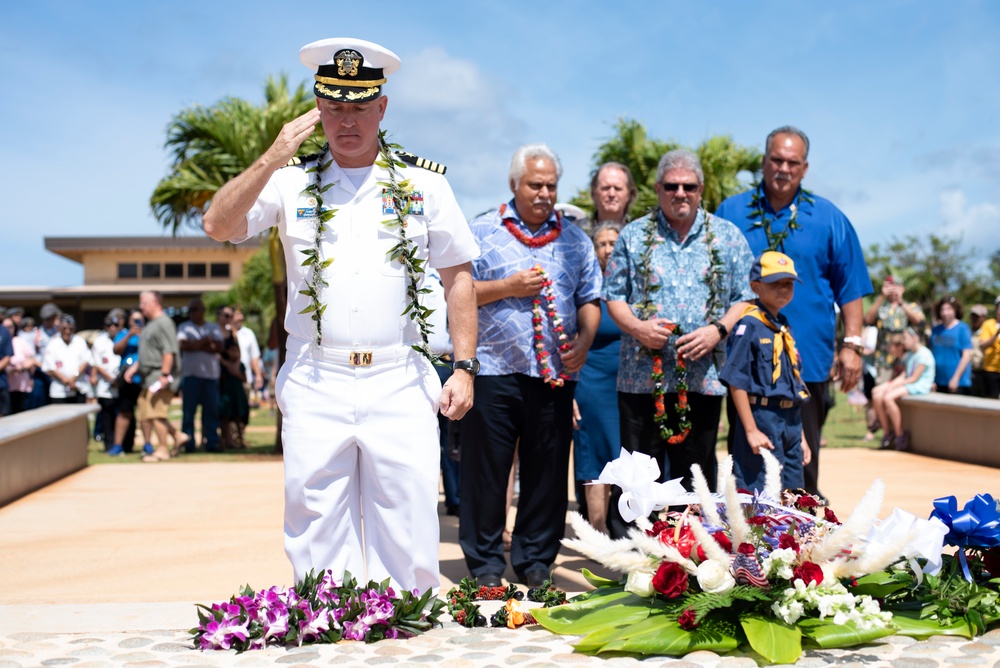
854	343
723	332
471	365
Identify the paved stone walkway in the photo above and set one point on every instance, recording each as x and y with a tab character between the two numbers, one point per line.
452	646
103	569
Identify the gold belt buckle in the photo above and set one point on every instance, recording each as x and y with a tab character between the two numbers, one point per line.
361	358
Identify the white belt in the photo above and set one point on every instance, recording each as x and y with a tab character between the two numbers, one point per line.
348	356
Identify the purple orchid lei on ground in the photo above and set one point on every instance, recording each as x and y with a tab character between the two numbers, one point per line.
319	609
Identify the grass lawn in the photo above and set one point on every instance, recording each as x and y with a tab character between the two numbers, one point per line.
845	428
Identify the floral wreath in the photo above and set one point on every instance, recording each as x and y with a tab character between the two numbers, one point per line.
647	309
404	252
776	241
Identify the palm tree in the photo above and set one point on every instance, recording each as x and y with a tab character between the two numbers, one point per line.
212	145
721	160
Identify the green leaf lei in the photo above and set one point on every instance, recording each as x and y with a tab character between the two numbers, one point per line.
404	252
314	255
776	240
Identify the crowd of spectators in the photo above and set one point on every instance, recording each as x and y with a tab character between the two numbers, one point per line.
47	361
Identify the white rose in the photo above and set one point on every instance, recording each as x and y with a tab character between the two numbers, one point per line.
640	583
714	578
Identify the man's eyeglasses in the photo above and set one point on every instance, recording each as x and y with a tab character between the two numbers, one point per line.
674	187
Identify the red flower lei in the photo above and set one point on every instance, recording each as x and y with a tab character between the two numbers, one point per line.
541	354
666	433
531	242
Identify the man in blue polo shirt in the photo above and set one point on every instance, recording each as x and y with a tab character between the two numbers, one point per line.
780	215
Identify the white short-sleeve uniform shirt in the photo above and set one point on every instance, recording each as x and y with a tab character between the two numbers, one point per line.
367	292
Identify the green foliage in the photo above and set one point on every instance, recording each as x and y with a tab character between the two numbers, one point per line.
252	292
211	145
722	160
772	638
932	267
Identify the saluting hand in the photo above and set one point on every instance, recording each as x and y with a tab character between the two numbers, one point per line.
292	134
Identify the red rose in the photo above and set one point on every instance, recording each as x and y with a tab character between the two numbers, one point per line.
659	526
787	540
830	516
670	580
746	548
757	521
991	561
723	540
807	501
808	572
688	620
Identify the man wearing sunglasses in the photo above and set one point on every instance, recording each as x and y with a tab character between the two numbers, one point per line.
691	269
780	215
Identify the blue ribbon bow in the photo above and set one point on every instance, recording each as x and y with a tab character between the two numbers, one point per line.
976	525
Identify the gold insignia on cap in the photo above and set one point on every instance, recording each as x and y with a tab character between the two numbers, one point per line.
335	94
362	94
348	61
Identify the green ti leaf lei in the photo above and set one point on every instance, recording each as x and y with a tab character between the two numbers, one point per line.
314	255
405	252
776	240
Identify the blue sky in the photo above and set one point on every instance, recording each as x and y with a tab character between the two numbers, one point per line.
901	99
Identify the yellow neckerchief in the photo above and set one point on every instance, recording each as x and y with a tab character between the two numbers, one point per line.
783	339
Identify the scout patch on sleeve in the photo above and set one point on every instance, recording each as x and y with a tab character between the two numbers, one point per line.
740	330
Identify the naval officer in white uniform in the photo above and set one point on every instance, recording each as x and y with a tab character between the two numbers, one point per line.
359	400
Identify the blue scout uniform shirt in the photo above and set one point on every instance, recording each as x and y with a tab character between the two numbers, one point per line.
750	361
506	340
828	259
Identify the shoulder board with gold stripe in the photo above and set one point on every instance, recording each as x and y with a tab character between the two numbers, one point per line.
302	159
421	162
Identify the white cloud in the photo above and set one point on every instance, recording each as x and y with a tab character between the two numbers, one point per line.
976	223
449	111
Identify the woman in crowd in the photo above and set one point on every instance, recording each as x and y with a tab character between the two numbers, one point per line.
20	370
126	346
597	440
917	379
951	343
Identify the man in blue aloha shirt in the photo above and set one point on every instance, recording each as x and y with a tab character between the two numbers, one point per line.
537	286
780	215
696	278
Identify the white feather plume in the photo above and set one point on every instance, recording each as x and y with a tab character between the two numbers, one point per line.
618	555
712	549
657	548
772	475
854	529
700	484
738	527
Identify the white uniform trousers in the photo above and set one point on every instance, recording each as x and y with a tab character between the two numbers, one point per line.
361	442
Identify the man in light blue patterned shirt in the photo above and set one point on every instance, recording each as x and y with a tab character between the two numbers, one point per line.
701	265
537	286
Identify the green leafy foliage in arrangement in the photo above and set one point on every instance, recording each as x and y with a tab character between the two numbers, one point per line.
942	604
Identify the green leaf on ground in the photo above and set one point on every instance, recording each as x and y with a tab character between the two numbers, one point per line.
772	638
